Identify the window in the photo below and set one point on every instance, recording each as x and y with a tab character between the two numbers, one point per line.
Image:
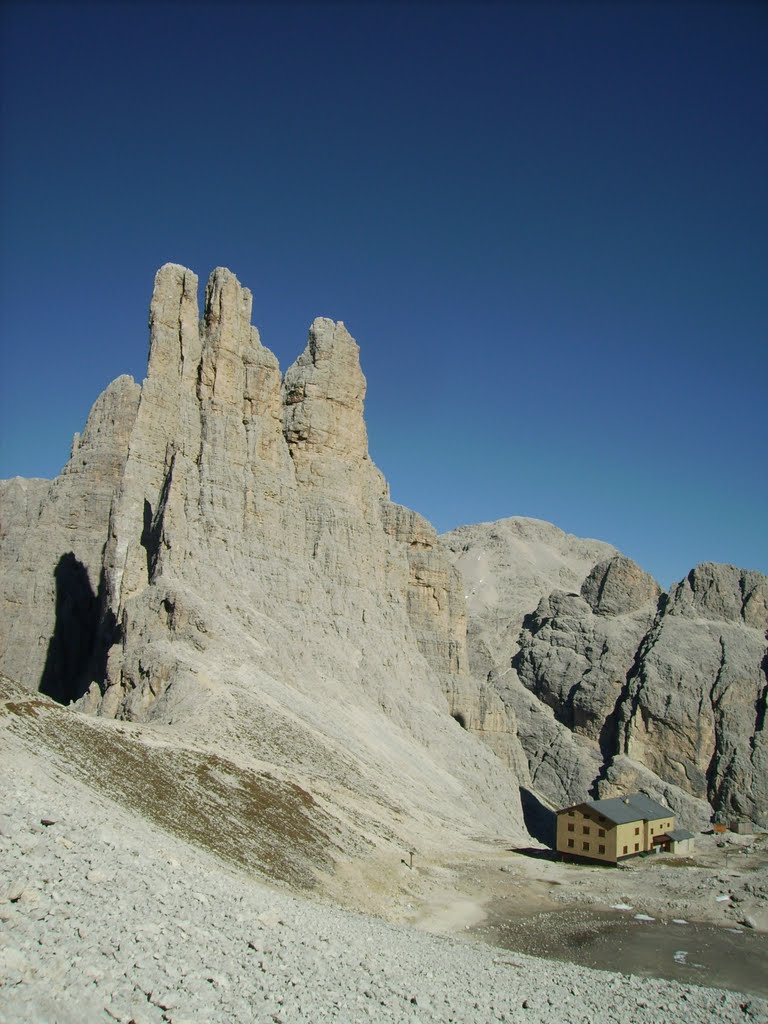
585	830
601	848
571	814
637	847
637	831
585	846
625	849
601	831
570	843
651	829
571	827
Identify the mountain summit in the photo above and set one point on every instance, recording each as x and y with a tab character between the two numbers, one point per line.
219	568
220	559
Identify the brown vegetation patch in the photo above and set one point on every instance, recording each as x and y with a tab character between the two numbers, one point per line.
27	708
247	817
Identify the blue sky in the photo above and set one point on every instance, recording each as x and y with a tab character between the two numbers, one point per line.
545	224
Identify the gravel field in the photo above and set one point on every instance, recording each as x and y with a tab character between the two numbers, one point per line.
105	917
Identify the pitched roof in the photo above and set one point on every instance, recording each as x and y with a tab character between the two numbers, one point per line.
623	809
680	833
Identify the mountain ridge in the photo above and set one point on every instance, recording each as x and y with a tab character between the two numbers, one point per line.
220	557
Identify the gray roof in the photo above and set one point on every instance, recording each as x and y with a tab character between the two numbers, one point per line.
680	833
632	807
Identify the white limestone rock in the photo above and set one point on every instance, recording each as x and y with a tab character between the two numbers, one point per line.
696	703
675	685
51	543
251	588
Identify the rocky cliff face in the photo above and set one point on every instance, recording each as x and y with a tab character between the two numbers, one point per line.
612	684
574	647
220	558
695	705
52	538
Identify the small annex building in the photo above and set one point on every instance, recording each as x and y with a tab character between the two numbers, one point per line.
610	830
681	841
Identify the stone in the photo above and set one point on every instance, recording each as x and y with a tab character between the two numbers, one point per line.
629	687
576	661
507	567
619	586
695	709
220	560
51	544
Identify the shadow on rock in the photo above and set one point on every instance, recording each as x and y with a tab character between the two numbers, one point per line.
540	821
70	648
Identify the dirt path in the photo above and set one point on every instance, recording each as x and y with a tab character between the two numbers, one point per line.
702	920
725	884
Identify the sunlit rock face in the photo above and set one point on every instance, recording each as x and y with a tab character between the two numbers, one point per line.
610	684
52	540
696	701
220	558
574	647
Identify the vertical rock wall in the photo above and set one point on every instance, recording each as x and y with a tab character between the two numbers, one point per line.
610	684
250	582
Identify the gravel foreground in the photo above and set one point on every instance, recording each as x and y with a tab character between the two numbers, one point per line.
104	917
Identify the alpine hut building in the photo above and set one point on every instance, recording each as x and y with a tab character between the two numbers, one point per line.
619	827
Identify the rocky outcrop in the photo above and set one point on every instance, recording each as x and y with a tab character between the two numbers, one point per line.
610	683
220	558
618	586
323	416
722	593
576	650
695	707
507	567
52	541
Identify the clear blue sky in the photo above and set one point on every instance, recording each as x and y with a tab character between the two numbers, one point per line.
545	224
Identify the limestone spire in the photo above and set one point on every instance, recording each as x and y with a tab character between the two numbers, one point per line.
174	336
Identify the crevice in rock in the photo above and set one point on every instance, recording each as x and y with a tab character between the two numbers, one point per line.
744	596
719	785
609	740
152	531
564	713
713	774
601	588
149	538
531	624
613	739
108	634
199	381
180	326
636	672
761	706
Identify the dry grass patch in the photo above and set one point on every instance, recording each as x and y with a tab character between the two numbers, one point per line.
250	818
